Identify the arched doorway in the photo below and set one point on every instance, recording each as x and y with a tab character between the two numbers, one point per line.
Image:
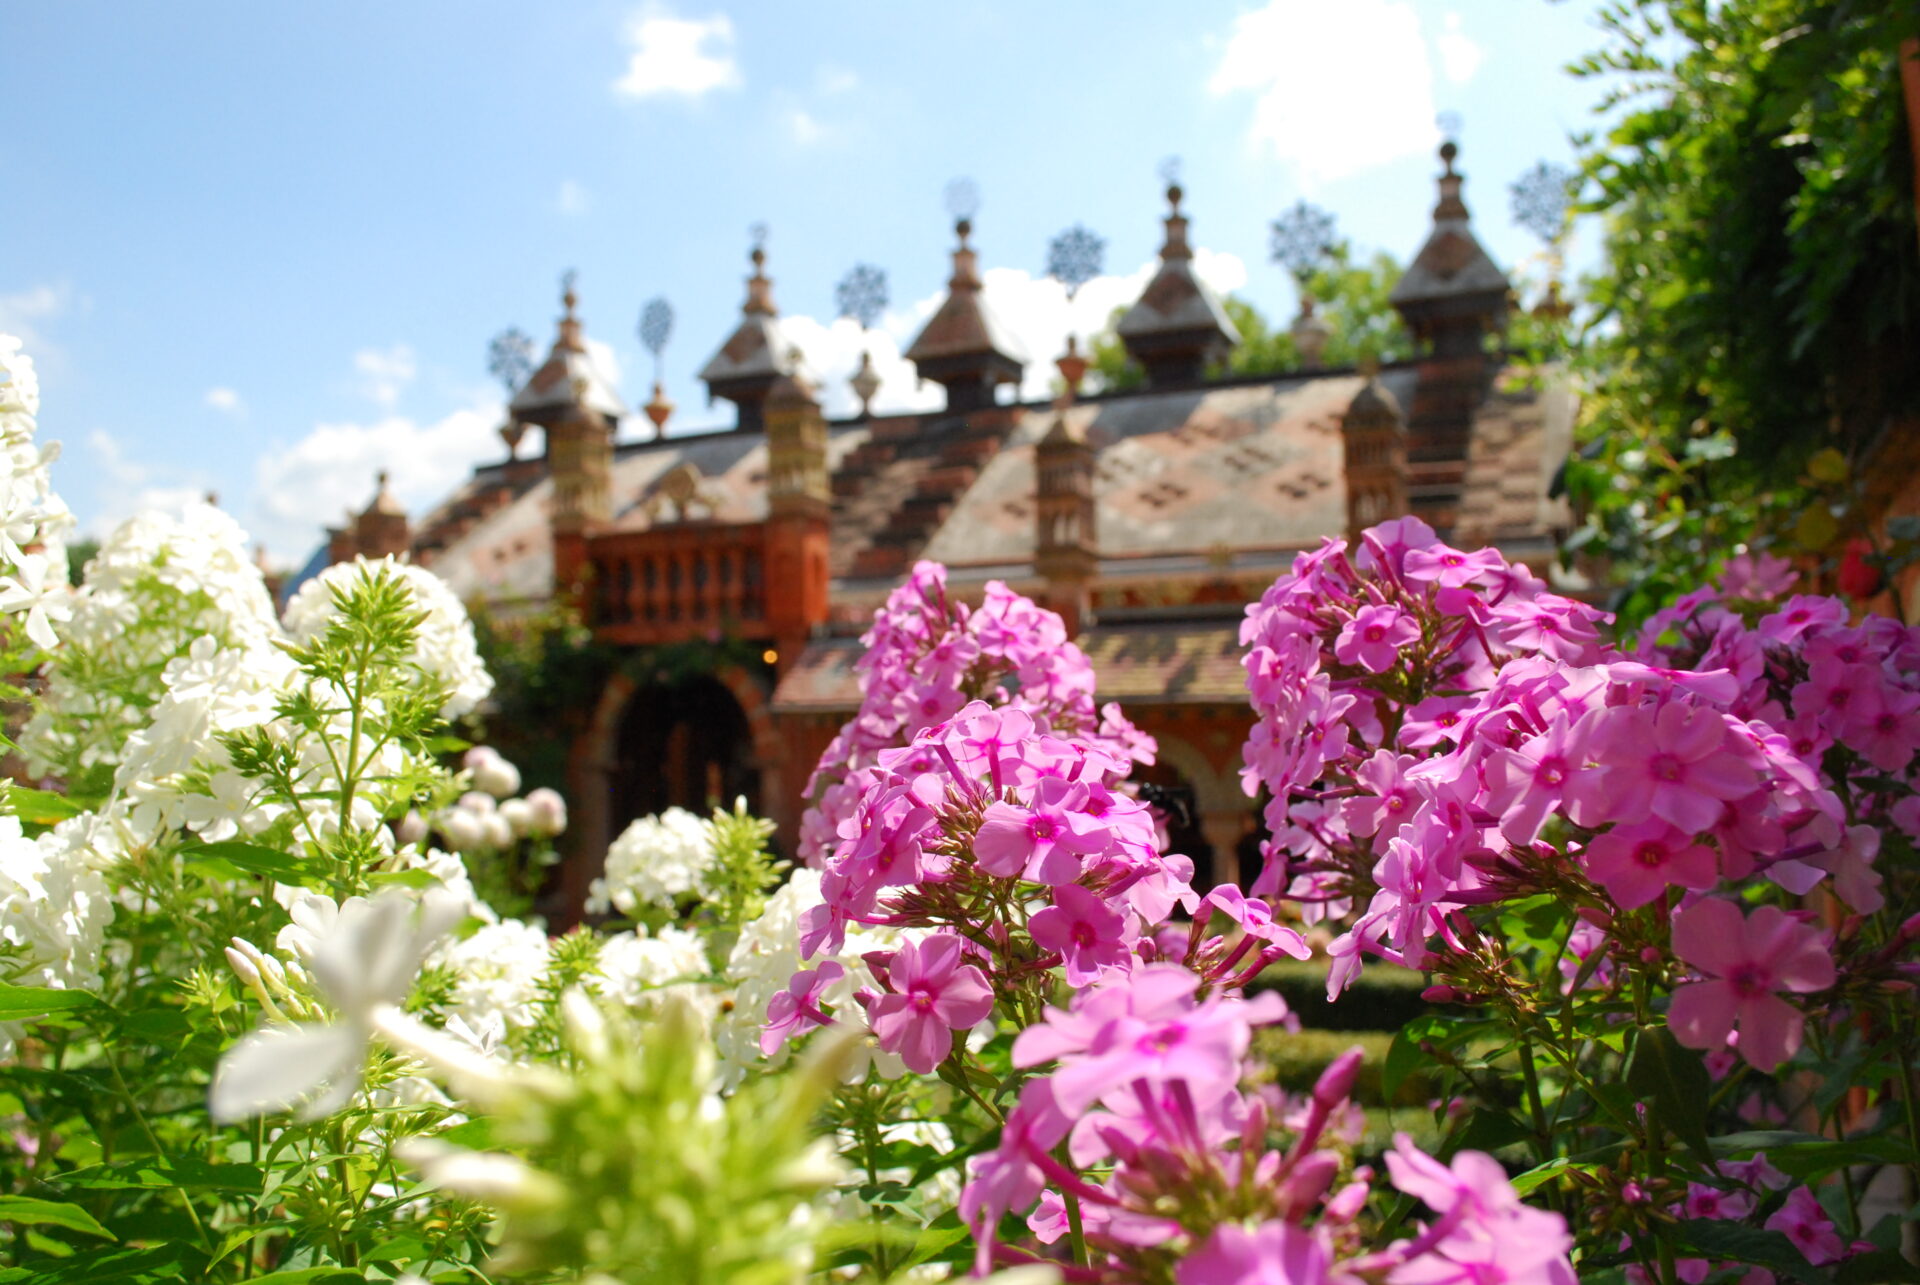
1177	804
685	744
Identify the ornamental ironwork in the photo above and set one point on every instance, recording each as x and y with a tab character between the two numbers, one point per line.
1302	237
1542	199
1075	257
510	358
862	294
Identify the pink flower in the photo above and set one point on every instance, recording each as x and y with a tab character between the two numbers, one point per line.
1042	841
1747	961
1636	863
1088	933
796	1010
1882	725
1374	637
933	995
1712	1202
1676	763
1274	1253
1450	568
1536	777
1806	1224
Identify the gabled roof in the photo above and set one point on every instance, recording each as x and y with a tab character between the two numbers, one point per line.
755	350
1177	303
569	375
1452	264
964	325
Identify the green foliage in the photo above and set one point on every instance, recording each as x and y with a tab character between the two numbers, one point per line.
1352	300
1761	299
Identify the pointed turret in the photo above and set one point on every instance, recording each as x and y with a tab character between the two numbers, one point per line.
1178	327
1453	295
380	529
1373	434
964	346
569	379
754	356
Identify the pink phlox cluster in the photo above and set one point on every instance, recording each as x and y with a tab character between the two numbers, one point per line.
1407	786
1023	852
1164	1148
925	656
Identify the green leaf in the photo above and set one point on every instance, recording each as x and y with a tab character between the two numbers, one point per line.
415	878
1488	1130
1540	1175
20	1003
310	1276
1718	1238
42	807
1405	1056
1808	1155
189	1173
1674	1083
252	859
27	1211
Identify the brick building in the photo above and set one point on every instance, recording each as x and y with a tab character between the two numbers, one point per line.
1148	518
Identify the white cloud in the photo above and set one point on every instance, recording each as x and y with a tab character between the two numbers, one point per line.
316	481
1035	309
672	55
830	80
22	312
132	488
225	399
1459	56
804	128
572	198
385	372
1310	108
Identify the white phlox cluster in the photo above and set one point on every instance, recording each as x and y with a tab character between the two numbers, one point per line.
638	968
54	910
34	520
156	585
656	861
498	970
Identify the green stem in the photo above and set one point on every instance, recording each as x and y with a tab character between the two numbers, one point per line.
133	1105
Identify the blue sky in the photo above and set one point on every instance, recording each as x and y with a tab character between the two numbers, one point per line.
260	249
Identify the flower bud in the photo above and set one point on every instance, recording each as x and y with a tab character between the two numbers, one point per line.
1335	1084
243	968
549	811
411	828
519	815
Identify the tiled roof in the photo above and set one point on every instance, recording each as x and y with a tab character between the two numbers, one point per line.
1250	466
1521	437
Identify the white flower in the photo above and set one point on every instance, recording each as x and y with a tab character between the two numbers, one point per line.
498	971
491	773
157	585
54	909
637	966
549	811
443	642
44	600
365	956
656	861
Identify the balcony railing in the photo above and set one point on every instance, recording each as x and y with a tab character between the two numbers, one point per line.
688	581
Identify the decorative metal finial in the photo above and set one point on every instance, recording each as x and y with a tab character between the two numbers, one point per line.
1075	257
1542	198
656	327
1302	237
510	358
1170	171
862	294
568	295
757	245
963	203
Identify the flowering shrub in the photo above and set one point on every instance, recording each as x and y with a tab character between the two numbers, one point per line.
260	1019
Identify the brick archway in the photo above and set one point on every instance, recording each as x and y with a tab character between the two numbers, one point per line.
595	758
